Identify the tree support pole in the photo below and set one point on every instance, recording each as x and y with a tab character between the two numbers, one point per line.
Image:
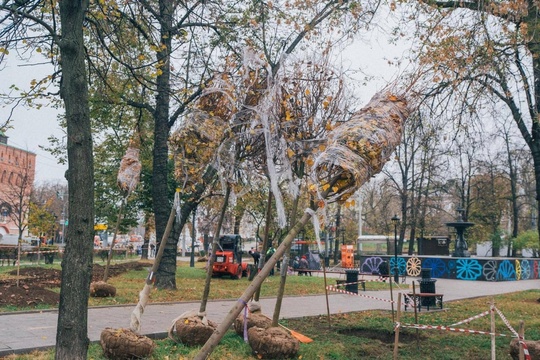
218	334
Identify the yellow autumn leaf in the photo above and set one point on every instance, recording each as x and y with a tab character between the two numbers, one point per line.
325	187
140	57
307	92
310	161
288	115
322	147
290	153
335	189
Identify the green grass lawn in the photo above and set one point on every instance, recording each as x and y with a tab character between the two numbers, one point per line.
190	285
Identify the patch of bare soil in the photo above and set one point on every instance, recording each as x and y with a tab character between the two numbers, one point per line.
34	281
382	335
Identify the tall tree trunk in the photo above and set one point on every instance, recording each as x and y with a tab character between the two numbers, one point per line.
146	238
215	246
265	244
71	335
536	160
284	267
166	276
160	182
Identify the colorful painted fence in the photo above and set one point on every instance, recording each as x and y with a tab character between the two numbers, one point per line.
480	269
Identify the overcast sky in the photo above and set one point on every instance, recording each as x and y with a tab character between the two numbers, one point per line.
32	127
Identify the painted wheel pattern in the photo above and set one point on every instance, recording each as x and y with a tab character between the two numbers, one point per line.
468	269
490	270
506	271
372	264
401	265
525	269
413	266
438	267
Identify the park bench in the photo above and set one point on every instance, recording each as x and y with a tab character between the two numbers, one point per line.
360	281
418	297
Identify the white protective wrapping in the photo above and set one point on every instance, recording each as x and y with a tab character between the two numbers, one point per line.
359	148
130	170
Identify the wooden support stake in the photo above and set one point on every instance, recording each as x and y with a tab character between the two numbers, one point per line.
396	327
416	316
492	312
326	293
521	333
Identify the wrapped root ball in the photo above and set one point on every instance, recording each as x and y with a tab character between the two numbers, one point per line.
130	169
359	148
255	319
193	331
272	343
124	344
195	145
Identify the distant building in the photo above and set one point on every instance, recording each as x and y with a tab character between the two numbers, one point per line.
17	171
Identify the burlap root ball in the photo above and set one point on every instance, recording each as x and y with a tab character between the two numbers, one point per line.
532	346
254	319
124	344
102	289
272	343
192	331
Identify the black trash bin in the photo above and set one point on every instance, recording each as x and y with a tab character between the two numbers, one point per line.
352	281
427	285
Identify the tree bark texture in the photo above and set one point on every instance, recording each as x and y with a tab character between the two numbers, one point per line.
71	336
161	121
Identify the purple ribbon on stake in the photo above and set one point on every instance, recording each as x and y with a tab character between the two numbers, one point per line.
245	319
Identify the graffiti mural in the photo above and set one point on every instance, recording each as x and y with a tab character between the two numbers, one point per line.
401	265
468	269
444	267
414	265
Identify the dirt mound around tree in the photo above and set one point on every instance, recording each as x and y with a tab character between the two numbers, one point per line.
34	281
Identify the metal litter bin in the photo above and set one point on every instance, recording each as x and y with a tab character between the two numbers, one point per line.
427	285
352	281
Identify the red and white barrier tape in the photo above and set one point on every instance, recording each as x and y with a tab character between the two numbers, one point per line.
448	328
345	284
520	338
409	301
41	252
472	318
333	288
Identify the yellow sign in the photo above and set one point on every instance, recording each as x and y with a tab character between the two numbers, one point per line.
98	227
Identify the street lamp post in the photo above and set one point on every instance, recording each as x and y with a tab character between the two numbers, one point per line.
395	221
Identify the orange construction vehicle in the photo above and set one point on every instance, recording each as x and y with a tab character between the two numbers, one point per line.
229	258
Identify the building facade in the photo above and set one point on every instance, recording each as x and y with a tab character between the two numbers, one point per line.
17	172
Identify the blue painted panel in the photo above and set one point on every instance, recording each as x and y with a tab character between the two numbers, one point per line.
445	267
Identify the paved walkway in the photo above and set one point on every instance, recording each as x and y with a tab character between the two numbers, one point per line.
24	332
